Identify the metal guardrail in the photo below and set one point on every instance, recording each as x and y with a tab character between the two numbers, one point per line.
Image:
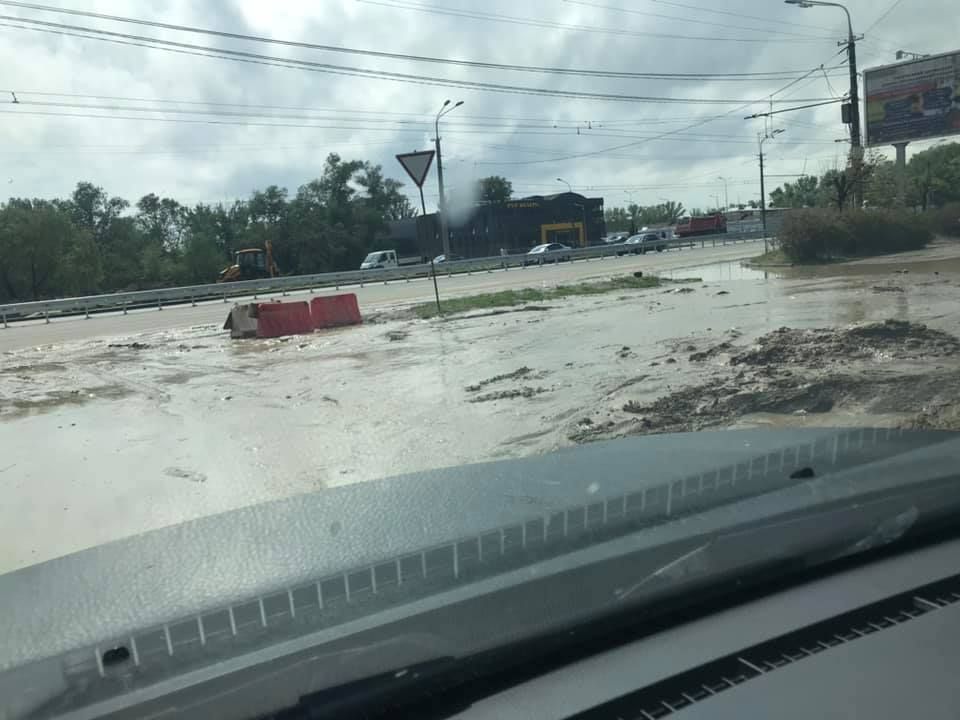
125	301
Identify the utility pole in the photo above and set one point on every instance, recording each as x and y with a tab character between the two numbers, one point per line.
763	190
444	228
856	144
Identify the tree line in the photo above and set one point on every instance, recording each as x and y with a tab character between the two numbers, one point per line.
932	180
93	242
633	217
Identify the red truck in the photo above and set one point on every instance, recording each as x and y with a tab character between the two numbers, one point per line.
705	225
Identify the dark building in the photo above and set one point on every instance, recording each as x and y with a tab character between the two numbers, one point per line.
515	226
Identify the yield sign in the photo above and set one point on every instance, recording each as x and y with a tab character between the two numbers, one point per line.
417	165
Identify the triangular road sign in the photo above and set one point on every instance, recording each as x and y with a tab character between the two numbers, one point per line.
417	165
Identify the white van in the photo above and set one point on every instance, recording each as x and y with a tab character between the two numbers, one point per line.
387	259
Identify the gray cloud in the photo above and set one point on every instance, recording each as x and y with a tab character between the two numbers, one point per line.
45	155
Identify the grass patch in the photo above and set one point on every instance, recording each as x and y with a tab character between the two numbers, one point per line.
772	257
508	298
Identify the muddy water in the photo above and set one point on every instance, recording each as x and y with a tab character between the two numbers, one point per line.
102	442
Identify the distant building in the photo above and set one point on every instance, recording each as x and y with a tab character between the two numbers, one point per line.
516	226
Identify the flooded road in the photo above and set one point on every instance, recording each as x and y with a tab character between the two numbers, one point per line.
109	437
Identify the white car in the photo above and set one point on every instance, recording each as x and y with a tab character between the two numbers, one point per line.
547	252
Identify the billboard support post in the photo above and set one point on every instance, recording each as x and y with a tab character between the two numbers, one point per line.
901	172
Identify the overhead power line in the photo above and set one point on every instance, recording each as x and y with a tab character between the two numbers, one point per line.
883	16
208	51
596	122
777	74
729	13
687	20
668	133
533	22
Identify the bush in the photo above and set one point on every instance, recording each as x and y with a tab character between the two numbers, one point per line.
823	235
812	235
946	220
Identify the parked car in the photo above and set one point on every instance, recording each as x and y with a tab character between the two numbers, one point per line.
644	242
546	253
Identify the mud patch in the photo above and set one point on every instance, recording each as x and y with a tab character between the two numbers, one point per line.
711	352
180	473
524	392
798	373
891	339
50	400
130	346
518	374
396	335
34	368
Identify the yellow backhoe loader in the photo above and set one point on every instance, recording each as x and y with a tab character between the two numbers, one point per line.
251	264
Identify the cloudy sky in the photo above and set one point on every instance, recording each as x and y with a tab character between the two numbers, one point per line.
137	117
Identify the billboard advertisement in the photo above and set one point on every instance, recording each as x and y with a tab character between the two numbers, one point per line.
913	100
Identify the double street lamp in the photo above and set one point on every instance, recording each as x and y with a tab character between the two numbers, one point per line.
444	229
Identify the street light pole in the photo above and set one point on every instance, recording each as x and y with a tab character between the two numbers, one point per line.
856	145
726	195
444	228
763	192
569	188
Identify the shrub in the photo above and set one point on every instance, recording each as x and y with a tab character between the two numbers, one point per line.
821	235
812	235
946	220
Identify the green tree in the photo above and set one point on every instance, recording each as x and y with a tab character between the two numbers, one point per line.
934	176
495	190
37	243
804	192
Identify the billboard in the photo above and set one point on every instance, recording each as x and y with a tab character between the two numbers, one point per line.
913	100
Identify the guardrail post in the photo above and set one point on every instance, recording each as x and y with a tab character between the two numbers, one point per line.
224	297
193	301
5	319
125	307
86	312
46	316
159	304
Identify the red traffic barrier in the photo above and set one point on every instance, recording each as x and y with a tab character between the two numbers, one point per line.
335	310
277	319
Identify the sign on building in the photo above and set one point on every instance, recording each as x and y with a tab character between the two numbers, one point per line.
913	100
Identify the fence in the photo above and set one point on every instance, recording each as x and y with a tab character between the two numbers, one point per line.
125	301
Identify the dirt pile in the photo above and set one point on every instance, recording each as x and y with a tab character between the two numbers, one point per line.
863	370
889	340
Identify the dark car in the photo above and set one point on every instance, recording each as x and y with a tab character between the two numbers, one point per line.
643	242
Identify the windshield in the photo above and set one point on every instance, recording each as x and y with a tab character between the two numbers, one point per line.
739	224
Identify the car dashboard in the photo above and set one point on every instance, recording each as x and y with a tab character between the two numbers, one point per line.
876	641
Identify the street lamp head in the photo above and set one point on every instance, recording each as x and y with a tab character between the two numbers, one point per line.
777	131
799	3
446	102
459	103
